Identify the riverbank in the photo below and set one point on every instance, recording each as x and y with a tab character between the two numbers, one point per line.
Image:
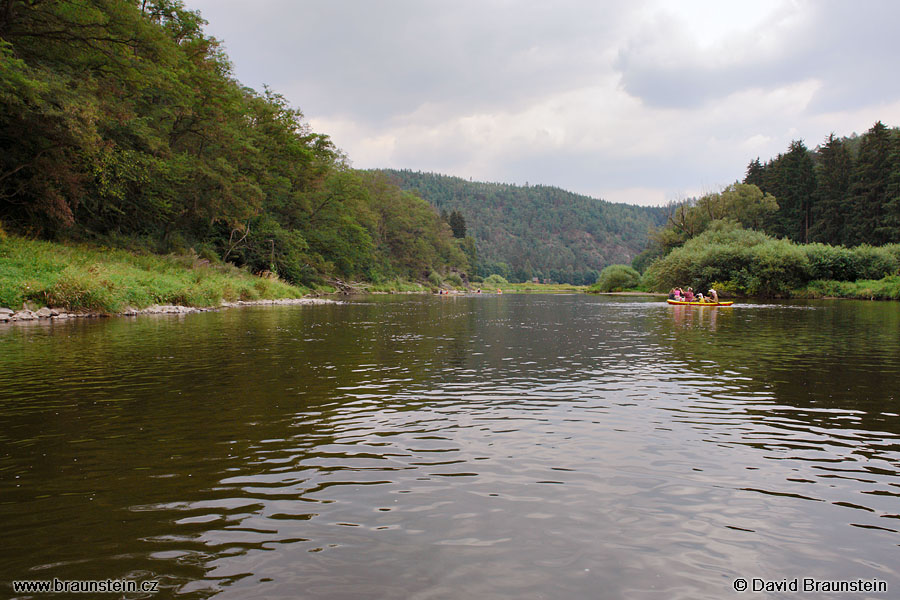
42	280
46	277
54	314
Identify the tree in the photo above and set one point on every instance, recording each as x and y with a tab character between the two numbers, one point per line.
747	204
834	170
796	189
457	224
868	188
755	173
892	204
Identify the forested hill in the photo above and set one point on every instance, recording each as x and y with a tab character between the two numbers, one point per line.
538	231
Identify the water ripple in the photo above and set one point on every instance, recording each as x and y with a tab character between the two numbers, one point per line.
497	446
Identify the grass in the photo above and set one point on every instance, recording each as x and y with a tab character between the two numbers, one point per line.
82	277
887	288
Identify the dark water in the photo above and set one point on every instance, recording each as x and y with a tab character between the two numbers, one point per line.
481	447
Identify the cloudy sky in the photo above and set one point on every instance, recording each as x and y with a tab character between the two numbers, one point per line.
630	101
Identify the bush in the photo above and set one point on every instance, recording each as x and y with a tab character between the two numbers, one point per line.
742	261
616	278
831	262
495	280
435	279
873	263
454	279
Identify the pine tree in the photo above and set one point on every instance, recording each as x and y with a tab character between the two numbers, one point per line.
833	208
892	203
755	173
791	179
457	224
869	185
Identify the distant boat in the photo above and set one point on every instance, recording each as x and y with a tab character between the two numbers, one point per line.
685	303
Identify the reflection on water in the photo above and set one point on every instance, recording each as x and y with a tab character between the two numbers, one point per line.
488	446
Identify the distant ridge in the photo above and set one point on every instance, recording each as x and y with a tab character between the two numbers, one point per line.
538	231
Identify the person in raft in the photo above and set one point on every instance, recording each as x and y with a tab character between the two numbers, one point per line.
673	294
689	295
713	296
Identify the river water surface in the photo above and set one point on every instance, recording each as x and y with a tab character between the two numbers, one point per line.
483	447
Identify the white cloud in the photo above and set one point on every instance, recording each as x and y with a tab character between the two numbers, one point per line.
631	101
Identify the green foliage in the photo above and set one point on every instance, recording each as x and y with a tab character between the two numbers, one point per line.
122	121
746	262
495	279
741	203
457	224
646	258
537	231
616	278
455	280
435	278
849	264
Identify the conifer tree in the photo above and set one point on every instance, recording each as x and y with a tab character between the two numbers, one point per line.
755	173
892	200
869	187
832	210
457	224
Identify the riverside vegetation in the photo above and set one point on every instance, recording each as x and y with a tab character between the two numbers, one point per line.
86	278
808	223
122	126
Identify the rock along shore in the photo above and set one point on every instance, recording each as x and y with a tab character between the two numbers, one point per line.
8	315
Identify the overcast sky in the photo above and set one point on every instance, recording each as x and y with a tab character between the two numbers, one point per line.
631	101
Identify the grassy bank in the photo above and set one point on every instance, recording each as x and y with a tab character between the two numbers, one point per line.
887	288
80	277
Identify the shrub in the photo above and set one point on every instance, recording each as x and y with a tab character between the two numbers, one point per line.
873	263
744	261
495	279
454	279
831	262
435	279
616	278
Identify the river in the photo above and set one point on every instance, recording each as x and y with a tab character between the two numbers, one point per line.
411	447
